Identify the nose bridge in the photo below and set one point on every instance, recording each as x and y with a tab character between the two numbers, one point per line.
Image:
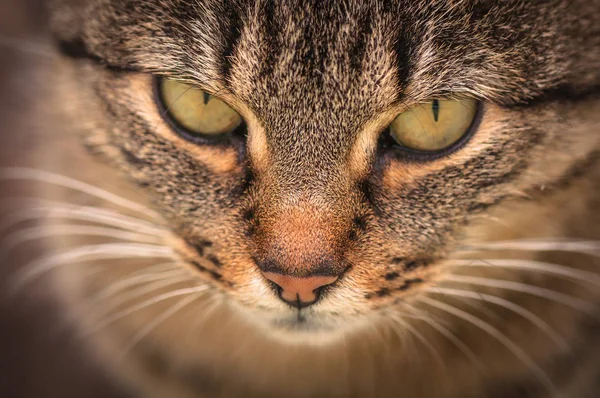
306	180
299	192
304	210
299	177
310	145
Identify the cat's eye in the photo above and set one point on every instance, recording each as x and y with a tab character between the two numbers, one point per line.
434	126
194	112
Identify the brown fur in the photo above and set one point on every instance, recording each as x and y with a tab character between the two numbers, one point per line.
316	190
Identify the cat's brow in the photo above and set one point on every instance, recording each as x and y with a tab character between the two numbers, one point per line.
77	49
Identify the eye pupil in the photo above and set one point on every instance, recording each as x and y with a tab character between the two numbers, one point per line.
435	107
207	97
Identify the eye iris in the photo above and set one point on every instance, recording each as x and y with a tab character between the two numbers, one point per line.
434	126
196	111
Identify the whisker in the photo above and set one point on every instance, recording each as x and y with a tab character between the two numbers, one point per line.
136	278
545	267
89	253
552	295
213	304
23	173
501	337
157	321
509	305
82	213
458	343
26	46
87	309
419	336
133	294
476	306
558	244
406	338
147	303
41	232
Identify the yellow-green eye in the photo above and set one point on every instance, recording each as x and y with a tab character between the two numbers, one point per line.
436	125
196	111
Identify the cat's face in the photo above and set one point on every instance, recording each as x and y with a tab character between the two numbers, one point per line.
312	191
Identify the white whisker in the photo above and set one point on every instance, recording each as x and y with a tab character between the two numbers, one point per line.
26	46
133	294
137	278
147	303
552	295
530	316
82	213
458	343
501	337
47	231
540	266
157	321
23	173
212	305
88	253
419	336
559	244
407	340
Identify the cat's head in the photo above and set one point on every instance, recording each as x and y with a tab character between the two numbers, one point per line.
320	160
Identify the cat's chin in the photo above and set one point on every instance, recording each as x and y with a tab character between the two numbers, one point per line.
307	330
303	327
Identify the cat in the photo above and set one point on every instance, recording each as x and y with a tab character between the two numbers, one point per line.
323	199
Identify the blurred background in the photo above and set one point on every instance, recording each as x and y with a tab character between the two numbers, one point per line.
38	357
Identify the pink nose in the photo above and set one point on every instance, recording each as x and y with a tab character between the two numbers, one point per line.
299	292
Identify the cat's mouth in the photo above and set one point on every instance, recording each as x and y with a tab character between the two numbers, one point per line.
302	326
324	322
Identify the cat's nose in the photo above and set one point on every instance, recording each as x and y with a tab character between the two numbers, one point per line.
299	292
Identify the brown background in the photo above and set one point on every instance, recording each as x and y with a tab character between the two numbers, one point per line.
37	358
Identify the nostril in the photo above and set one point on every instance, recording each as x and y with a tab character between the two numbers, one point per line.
300	291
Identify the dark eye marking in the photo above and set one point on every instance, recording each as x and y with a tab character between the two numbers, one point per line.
77	49
206	98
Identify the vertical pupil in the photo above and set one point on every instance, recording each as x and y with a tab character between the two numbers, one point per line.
435	107
206	97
